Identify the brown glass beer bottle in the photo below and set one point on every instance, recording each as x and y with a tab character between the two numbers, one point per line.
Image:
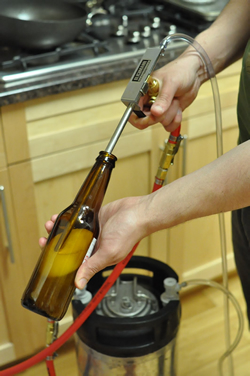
51	287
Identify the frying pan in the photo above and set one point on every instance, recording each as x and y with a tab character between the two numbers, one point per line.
40	24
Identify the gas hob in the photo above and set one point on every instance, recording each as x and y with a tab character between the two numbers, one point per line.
120	32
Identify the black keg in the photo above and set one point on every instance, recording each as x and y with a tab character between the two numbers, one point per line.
133	331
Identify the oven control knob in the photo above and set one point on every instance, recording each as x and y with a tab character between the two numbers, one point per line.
133	37
125	20
145	31
156	23
172	30
118	30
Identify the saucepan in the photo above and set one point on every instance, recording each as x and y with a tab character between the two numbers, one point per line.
40	24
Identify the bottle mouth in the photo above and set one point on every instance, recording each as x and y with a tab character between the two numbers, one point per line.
107	156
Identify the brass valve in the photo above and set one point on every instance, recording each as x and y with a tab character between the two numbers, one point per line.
153	90
52	331
51	336
171	148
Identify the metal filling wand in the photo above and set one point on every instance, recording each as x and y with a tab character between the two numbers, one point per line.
137	87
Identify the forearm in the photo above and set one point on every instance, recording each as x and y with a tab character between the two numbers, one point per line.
221	186
225	40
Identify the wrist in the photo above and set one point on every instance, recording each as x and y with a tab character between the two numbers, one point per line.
195	60
152	212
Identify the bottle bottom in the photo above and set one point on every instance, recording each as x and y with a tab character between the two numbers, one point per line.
30	305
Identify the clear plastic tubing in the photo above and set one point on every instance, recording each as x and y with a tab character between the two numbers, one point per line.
217	107
211	74
229	296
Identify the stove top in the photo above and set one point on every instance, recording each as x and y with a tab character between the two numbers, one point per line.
121	30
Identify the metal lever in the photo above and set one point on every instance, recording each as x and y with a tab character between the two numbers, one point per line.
7	227
138	84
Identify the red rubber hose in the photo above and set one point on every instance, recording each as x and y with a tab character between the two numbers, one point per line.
175	133
157	185
50	367
48	351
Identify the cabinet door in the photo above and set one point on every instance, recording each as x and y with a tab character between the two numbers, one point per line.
194	247
21	333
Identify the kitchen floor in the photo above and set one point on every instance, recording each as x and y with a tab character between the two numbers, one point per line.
201	338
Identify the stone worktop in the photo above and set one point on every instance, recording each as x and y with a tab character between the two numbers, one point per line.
87	76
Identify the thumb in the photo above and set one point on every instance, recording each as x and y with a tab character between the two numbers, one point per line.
88	269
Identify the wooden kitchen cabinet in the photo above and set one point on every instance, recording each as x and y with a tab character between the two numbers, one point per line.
49	146
21	332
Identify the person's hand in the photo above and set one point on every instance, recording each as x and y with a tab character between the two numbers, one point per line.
179	83
121	227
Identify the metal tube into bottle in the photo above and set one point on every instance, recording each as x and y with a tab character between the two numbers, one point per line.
119	129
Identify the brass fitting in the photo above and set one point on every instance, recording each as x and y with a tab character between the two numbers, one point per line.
167	159
52	331
153	90
171	145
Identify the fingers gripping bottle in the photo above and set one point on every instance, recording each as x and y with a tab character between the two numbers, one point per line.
51	287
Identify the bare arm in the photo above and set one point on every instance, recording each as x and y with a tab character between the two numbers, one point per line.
226	39
180	80
220	186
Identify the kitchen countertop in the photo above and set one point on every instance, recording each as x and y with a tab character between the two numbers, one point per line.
82	77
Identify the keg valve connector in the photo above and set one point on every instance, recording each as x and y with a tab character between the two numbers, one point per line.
171	292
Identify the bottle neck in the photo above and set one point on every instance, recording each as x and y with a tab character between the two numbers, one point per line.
94	187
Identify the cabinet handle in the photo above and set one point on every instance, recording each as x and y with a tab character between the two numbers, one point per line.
7	227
